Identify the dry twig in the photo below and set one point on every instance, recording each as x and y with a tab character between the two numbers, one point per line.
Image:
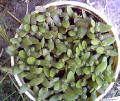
1	52
13	16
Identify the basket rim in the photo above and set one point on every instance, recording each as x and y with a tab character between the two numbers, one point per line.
88	8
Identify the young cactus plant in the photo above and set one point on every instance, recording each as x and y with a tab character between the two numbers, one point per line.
63	54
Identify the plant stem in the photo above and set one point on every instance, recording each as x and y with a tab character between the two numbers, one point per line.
3	78
18	98
5	99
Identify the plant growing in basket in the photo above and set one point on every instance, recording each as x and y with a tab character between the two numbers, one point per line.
63	54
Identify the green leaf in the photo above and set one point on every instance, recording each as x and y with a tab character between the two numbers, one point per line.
43	92
11	50
31	60
34	40
105	36
108	76
46	83
93	77
48	34
22	54
94	85
70	76
61	47
38	46
57	85
91	36
93	95
56	98
78	71
92	29
59	65
26	19
84	14
40	18
80	47
52	82
45	52
42	42
37	70
92	22
84	44
70	95
82	23
102	66
78	84
101	27
27	27
60	36
51	44
73	69
71	63
92	68
98	80
36	81
69	52
108	41
64	86
46	71
24	88
52	72
69	11
78	61
85	56
34	28
100	50
71	33
86	70
111	61
72	84
22	33
56	20
23	74
82	31
42	29
15	40
65	58
66	24
77	91
36	90
62	30
26	41
30	76
111	52
33	19
95	42
45	63
16	70
77	51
